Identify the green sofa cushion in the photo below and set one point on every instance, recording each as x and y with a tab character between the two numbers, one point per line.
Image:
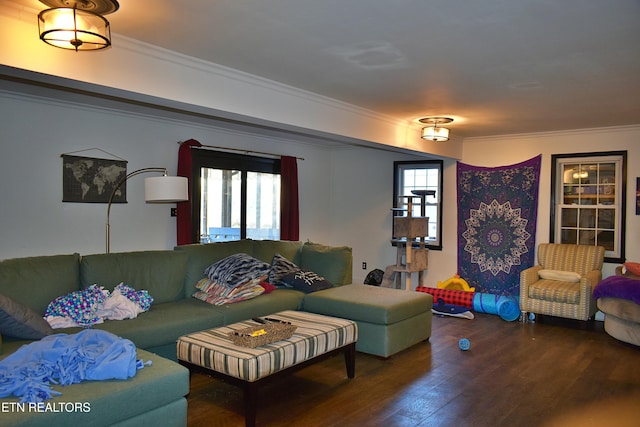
370	304
334	263
159	272
36	281
264	250
164	323
202	256
265	304
115	401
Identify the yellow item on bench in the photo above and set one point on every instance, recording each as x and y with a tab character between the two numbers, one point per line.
456	283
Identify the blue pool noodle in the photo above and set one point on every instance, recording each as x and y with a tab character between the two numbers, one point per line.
507	307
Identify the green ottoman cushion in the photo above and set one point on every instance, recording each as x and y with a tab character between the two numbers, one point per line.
389	320
372	304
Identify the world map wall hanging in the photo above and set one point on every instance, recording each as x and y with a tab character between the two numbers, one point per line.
497	211
92	180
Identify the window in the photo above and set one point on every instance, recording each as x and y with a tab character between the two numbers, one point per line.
236	197
423	175
589	201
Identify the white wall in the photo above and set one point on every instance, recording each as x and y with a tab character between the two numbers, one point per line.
362	198
506	150
345	193
36	131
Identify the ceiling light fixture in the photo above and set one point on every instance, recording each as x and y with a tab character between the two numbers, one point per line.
76	24
435	133
581	174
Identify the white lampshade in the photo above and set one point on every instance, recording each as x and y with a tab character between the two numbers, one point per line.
433	133
166	189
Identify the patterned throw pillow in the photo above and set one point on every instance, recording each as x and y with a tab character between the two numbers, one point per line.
205	284
280	266
236	269
306	281
217	294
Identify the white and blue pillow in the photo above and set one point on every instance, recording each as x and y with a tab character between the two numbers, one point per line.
280	266
237	269
306	281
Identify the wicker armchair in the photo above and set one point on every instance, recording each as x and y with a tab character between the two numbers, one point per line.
563	281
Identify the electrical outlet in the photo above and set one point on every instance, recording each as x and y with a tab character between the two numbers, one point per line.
174	211
364	265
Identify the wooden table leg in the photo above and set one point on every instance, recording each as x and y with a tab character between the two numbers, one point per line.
250	402
350	359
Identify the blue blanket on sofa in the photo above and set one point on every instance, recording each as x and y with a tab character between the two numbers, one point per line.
66	359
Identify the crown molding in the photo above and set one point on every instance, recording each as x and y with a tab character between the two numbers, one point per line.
551	134
145	49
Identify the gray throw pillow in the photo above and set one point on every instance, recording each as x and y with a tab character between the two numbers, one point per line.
19	321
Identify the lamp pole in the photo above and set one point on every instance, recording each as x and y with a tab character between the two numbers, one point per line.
115	189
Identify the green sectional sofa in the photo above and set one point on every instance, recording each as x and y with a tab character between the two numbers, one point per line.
157	393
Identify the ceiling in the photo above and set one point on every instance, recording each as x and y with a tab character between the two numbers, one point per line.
496	66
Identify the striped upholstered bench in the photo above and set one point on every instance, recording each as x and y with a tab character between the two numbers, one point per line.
317	336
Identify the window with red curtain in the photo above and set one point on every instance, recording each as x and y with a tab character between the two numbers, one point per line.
238	196
184	227
290	214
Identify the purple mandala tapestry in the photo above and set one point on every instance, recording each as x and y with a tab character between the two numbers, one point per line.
497	210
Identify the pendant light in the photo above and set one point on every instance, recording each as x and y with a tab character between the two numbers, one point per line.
76	24
435	133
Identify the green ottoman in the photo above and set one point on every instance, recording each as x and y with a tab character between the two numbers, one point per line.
389	320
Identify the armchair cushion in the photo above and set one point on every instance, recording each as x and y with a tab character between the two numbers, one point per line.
565	276
555	290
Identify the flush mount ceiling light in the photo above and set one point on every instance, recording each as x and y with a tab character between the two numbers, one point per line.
76	24
435	133
580	174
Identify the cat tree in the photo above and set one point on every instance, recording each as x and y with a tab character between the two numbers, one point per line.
409	237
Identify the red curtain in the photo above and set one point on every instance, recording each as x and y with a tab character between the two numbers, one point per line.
184	234
289	212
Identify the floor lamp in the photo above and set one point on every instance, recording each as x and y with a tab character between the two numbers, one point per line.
161	189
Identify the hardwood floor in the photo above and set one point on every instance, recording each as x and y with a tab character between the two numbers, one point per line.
552	373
